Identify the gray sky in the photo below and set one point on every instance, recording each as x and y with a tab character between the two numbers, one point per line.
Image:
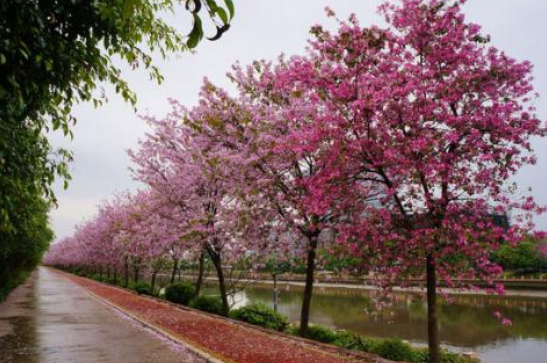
262	29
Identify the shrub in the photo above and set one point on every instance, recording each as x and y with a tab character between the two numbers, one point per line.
79	272
262	315
96	277
140	287
180	293
394	349
353	341
292	329
321	333
421	355
210	304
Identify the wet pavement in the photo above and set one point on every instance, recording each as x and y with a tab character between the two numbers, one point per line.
50	319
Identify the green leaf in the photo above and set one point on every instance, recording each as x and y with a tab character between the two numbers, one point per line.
2	59
231	9
212	5
128	7
196	34
222	15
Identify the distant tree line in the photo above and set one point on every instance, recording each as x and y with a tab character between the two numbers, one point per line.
529	256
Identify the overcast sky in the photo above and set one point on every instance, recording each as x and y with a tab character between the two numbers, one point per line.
262	29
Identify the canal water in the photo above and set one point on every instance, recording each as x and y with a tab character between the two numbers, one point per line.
467	323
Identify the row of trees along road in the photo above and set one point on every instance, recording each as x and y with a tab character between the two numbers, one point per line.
399	140
52	56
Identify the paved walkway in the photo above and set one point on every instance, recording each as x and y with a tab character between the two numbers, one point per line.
50	319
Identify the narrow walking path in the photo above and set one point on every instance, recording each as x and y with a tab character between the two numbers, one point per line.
221	339
49	319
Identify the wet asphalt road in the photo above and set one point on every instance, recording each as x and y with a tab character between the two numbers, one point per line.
51	320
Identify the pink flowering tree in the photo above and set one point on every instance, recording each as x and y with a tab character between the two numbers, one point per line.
154	236
126	232
190	173
104	233
421	126
256	133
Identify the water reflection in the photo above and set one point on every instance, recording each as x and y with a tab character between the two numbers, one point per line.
467	323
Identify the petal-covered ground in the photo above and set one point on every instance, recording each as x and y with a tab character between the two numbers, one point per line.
219	337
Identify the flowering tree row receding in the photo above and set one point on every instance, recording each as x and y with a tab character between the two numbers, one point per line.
401	141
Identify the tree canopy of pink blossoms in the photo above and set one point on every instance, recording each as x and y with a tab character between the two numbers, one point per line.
401	141
194	174
253	134
428	120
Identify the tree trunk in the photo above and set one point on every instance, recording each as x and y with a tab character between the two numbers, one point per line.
308	290
136	276
175	267
116	275
274	276
432	322
217	261
153	282
126	273
199	281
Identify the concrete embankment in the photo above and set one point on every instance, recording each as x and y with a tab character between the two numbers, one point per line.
529	288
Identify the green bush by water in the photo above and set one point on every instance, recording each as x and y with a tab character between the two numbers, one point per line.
180	293
209	304
261	315
392	348
345	339
321	333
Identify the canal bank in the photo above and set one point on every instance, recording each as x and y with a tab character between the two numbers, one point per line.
515	287
467	321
